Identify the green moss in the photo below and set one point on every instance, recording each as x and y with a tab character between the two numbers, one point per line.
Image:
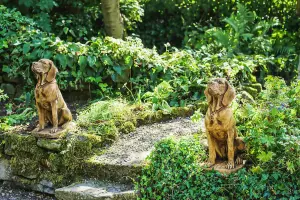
15	143
54	162
182	112
27	155
26	166
107	131
127	127
53	145
148	117
247	96
145	117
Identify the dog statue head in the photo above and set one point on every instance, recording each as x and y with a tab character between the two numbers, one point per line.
219	88
45	70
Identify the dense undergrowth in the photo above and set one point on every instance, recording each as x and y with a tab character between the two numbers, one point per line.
103	65
271	130
157	22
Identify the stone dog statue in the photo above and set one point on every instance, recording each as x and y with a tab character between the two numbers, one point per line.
49	101
220	123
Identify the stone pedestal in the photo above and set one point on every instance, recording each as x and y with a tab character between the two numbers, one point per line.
220	166
46	133
60	132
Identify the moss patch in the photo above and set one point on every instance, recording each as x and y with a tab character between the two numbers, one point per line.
127	127
35	164
53	145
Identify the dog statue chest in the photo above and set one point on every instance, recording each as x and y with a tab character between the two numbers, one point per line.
215	127
41	98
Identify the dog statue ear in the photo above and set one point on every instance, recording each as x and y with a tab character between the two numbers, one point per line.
52	72
208	96
229	95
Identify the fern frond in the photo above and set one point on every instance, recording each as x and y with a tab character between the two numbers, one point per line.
233	23
222	37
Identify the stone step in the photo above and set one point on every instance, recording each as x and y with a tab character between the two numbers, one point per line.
91	190
123	161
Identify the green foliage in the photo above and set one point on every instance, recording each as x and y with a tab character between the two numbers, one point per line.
271	127
3	96
77	20
102	64
246	33
184	20
159	96
173	172
19	118
21	111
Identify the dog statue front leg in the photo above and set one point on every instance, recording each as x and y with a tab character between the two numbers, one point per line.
212	150
54	117
230	146
41	114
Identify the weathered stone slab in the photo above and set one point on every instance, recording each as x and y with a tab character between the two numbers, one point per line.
43	186
96	191
125	158
5	170
50	144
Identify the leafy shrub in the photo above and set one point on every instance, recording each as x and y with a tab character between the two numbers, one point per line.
159	96
102	64
173	172
171	169
271	127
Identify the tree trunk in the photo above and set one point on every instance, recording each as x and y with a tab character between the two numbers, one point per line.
298	8
113	21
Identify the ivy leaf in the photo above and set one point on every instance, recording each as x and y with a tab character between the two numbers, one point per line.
65	29
118	69
106	60
91	60
47	54
62	60
6	69
265	157
26	48
82	62
72	33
